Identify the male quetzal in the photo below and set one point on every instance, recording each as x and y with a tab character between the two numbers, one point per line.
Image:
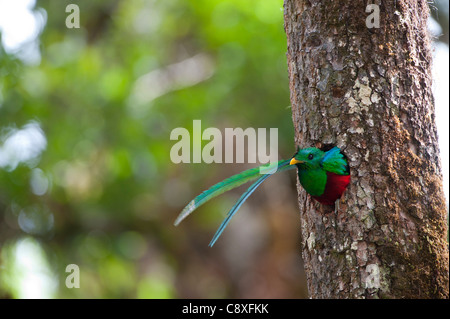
323	174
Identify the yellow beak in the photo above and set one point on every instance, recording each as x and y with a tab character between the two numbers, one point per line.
294	161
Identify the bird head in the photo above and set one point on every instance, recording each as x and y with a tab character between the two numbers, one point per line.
307	158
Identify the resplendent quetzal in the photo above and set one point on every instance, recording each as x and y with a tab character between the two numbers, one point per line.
323	174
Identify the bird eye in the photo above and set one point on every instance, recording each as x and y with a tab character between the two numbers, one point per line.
310	156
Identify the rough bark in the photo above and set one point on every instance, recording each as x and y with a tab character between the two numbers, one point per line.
368	91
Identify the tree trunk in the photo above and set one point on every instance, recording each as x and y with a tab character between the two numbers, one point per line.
368	91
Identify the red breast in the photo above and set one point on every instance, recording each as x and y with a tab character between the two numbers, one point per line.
335	186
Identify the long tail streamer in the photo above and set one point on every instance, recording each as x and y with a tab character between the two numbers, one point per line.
229	184
236	207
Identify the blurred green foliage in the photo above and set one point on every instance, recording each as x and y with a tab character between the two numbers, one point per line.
100	190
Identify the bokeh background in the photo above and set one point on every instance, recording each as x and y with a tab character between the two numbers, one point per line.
85	170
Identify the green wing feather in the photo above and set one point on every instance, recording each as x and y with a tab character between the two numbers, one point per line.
226	185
